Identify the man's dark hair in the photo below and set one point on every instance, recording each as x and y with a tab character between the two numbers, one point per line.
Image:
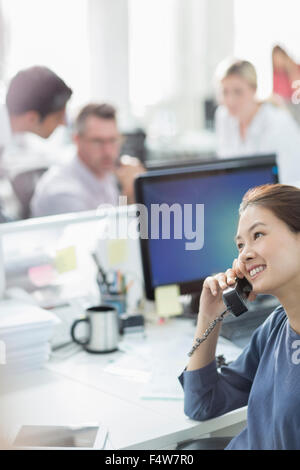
37	89
101	111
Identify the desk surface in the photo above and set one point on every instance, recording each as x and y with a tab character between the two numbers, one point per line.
89	388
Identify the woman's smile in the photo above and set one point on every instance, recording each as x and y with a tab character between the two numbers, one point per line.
256	270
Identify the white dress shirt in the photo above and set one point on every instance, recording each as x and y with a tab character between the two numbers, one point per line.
5	129
272	130
73	188
5	141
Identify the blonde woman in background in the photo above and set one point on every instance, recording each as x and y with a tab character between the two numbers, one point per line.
246	126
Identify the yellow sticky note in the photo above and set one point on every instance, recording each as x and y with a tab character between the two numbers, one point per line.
167	300
66	259
117	251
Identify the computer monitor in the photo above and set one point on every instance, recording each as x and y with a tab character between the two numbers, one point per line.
202	201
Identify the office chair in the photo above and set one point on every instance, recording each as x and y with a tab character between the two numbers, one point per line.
134	144
24	184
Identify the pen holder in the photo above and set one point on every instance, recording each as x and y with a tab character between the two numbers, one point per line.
116	300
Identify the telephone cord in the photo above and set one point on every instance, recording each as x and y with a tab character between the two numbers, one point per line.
208	330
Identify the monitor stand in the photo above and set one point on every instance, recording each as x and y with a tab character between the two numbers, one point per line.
190	305
194	305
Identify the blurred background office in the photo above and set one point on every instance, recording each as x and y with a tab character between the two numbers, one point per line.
248	126
154	61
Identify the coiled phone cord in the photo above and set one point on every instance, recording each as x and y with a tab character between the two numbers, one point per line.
208	330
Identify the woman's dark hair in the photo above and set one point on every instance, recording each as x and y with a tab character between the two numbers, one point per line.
37	89
283	200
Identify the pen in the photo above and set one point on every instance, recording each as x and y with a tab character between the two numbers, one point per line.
123	285
118	281
129	285
100	272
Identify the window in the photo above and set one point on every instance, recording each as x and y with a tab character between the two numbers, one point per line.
53	33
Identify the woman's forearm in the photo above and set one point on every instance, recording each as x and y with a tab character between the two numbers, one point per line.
206	351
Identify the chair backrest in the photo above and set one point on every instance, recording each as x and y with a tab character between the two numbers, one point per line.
134	144
24	185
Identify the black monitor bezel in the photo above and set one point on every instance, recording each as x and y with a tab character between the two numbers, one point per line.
206	168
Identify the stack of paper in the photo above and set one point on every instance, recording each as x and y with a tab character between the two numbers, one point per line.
25	334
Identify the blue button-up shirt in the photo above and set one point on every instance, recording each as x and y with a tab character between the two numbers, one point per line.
266	376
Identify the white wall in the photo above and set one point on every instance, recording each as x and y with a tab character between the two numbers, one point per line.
51	33
159	57
180	44
153	57
220	33
207	32
261	24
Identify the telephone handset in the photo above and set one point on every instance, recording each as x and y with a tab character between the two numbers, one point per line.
234	297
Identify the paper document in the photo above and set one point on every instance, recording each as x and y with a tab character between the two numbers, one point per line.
66	260
163	383
117	252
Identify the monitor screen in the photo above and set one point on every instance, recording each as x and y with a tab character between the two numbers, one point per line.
192	217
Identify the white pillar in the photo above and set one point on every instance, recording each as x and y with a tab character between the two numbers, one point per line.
205	37
108	21
191	61
220	35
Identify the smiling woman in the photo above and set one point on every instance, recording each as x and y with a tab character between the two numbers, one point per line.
269	242
266	376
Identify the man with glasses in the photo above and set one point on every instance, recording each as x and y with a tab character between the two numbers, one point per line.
97	175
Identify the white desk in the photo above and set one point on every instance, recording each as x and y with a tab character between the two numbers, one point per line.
79	389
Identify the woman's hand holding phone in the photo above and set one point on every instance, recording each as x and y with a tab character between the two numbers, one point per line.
211	306
211	301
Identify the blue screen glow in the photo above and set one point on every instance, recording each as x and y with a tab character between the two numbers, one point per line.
221	193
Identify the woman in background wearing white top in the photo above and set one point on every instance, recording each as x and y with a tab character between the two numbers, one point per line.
245	126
